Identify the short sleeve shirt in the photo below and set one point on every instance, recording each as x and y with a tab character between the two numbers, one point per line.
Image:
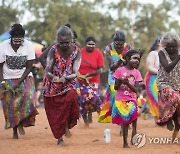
124	93
15	62
90	62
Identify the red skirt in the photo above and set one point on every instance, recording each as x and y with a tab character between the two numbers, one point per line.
62	111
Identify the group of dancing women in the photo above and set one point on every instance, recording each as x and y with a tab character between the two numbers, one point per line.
72	77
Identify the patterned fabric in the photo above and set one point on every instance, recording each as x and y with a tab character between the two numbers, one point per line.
19	107
152	93
62	67
124	112
113	57
165	79
16	62
169	103
106	107
141	101
62	111
88	97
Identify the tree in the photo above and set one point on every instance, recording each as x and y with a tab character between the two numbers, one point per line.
9	15
81	15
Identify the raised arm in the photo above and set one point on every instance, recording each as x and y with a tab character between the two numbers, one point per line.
167	66
113	66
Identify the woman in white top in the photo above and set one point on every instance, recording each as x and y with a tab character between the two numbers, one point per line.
16	82
152	65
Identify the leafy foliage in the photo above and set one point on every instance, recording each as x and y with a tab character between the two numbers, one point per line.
140	22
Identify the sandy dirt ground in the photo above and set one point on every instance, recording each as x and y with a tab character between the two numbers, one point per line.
39	139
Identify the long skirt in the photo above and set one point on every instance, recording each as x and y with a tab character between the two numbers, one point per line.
169	103
106	107
89	98
152	93
124	112
62	111
18	105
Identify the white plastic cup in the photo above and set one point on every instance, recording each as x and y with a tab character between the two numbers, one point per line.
107	135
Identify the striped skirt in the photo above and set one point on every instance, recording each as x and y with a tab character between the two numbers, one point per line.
152	93
18	106
106	107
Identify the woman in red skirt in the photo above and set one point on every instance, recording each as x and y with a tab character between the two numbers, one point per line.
60	97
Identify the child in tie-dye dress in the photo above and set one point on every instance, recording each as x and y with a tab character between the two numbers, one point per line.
127	78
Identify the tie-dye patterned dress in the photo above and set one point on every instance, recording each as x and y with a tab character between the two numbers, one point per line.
151	85
124	110
114	57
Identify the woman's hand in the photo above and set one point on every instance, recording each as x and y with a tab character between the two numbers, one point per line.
15	86
56	79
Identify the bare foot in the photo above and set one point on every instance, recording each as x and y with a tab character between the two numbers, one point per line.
174	134
126	146
21	130
86	125
60	142
15	136
68	133
170	125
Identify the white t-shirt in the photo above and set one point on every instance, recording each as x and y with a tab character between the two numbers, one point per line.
15	62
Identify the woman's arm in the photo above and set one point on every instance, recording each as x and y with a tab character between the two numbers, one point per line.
133	88
98	71
43	56
167	66
150	63
29	64
112	66
50	62
1	72
76	65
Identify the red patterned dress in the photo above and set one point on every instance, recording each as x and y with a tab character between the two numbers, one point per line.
60	99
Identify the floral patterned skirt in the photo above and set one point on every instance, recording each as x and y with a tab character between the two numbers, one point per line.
88	97
169	103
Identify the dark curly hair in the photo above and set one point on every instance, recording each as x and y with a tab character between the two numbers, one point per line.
17	30
131	52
